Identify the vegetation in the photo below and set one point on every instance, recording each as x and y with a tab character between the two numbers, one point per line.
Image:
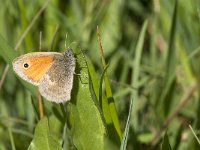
140	90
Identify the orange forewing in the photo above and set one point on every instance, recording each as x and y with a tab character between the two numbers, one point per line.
38	66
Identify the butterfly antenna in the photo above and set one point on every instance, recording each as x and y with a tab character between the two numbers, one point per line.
40	42
66	40
54	37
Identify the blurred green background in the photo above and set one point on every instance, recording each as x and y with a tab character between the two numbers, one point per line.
151	46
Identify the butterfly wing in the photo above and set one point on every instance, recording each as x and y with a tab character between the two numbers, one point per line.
32	66
56	85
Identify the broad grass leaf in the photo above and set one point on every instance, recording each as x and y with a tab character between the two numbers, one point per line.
87	126
43	139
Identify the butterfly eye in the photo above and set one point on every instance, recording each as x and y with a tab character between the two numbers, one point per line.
26	65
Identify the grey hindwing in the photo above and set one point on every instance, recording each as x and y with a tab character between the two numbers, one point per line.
56	85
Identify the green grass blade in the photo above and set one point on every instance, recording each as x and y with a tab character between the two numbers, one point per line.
28	39
167	93
136	70
126	132
109	104
11	139
95	85
104	104
171	55
195	135
100	86
165	144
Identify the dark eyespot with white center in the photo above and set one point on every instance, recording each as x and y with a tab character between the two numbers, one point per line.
26	65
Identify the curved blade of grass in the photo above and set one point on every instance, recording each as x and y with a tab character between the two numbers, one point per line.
126	132
96	85
11	139
195	135
104	104
171	66
92	86
109	102
171	55
43	139
136	70
101	84
24	22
